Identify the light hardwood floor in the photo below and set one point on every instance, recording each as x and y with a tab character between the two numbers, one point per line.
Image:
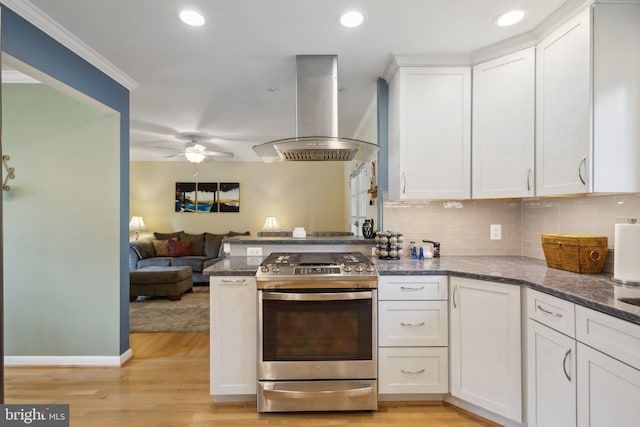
167	384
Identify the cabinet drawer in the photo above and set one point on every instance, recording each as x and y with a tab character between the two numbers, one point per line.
554	312
413	370
412	323
618	338
412	288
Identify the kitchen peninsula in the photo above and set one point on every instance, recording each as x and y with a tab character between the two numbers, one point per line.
247	245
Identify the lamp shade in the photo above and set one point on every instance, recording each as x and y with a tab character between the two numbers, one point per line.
137	224
271	224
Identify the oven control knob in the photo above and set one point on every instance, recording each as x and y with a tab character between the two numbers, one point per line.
347	268
370	268
276	269
264	269
359	268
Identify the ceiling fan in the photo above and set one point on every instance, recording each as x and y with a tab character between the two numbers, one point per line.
196	150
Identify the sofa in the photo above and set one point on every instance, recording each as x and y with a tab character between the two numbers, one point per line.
179	249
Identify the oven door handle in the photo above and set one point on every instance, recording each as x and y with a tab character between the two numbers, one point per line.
324	296
294	394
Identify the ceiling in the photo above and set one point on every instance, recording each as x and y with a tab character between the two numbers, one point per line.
234	77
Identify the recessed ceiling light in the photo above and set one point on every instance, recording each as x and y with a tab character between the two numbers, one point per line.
510	18
191	17
351	19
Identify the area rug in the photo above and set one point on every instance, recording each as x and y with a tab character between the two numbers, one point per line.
155	314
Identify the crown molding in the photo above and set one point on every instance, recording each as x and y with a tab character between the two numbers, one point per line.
433	60
36	17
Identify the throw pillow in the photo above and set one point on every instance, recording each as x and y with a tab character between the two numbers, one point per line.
143	248
167	236
177	248
197	242
212	244
161	247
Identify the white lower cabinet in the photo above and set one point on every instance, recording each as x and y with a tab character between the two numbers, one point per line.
413	370
608	391
233	336
412	336
592	380
486	367
551	377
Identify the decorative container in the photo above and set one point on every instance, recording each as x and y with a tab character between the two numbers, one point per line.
578	253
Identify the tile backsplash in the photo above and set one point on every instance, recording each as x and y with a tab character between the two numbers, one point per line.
464	227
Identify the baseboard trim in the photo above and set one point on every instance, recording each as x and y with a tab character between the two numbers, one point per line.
79	361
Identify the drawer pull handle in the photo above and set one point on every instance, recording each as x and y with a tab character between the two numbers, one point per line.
408	288
420	371
564	365
234	281
582	162
412	324
550	313
594	255
453	297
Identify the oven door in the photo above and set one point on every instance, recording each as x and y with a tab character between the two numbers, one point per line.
317	335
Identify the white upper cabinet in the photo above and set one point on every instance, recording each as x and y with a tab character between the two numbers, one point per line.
563	120
430	133
616	76
588	103
504	126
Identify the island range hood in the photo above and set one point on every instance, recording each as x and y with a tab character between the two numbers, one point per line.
316	119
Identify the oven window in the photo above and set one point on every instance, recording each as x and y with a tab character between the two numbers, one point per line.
317	330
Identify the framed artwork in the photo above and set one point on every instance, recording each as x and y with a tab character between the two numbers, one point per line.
207	197
185	197
229	198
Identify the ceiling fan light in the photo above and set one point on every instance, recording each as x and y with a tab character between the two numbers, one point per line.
194	156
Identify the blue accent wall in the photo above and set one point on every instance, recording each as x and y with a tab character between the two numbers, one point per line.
25	42
383	142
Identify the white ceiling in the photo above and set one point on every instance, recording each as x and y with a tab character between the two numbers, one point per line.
234	78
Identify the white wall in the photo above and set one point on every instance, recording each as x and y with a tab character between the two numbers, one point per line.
61	225
306	194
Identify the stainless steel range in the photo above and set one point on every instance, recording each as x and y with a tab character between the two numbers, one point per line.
317	332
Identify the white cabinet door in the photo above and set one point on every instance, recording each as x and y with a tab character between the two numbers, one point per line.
551	377
563	109
486	367
233	335
616	97
608	391
503	126
430	133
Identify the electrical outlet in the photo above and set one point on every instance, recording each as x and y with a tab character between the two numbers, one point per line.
496	232
254	251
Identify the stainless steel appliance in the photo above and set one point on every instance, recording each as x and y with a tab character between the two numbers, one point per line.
317	332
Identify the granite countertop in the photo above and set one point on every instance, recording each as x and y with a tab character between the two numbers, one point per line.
594	291
309	240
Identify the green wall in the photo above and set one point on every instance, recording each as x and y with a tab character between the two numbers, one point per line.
61	222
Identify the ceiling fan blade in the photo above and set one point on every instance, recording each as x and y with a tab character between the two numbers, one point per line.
217	154
174	155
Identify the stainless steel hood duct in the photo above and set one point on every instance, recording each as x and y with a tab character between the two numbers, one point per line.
316	119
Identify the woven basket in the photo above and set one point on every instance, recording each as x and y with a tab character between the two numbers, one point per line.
575	252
